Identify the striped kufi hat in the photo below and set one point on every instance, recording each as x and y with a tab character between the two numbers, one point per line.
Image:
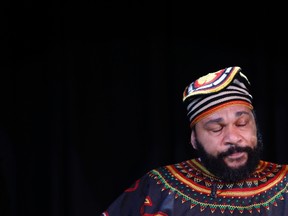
216	90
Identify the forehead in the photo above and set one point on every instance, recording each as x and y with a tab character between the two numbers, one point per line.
232	111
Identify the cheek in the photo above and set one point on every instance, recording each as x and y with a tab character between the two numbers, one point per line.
253	140
253	137
211	146
212	150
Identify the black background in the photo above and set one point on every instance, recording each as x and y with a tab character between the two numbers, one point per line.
91	92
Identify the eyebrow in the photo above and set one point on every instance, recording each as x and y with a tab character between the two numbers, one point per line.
220	119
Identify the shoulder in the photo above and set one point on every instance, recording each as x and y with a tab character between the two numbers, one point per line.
180	168
271	164
271	168
184	163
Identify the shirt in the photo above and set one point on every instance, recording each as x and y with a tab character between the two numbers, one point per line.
188	188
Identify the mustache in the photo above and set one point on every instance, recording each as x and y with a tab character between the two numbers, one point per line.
235	149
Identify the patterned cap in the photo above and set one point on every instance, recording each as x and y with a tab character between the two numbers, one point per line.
216	90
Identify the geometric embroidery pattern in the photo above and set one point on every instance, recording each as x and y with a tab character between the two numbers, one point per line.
192	183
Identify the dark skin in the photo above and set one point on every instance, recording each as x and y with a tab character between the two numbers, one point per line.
230	126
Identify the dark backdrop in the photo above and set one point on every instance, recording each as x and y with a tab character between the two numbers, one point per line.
91	93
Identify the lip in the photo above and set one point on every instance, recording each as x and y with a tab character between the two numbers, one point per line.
236	155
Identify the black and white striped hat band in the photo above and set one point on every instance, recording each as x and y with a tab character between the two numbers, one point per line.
215	90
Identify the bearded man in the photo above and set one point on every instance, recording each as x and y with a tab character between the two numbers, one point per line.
228	177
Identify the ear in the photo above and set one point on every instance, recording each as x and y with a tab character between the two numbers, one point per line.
193	138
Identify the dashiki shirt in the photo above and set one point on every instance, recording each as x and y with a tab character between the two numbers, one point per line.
187	188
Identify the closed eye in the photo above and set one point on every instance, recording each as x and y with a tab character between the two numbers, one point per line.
242	123
216	129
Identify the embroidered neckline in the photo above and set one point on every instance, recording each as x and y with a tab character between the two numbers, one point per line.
191	182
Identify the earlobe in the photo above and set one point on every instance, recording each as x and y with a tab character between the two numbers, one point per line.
193	139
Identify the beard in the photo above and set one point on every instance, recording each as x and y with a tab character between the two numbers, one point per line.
219	168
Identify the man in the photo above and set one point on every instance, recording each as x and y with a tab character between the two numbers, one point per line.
228	178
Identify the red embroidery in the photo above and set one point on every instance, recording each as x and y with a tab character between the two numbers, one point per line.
133	188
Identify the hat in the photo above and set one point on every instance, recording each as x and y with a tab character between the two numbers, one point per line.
216	90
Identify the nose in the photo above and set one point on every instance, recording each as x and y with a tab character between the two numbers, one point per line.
232	135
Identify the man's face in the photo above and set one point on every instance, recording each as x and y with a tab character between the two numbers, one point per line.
227	142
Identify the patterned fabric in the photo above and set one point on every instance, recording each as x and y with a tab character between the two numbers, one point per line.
213	91
187	188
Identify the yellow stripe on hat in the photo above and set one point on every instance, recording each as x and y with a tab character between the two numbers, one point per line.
212	82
